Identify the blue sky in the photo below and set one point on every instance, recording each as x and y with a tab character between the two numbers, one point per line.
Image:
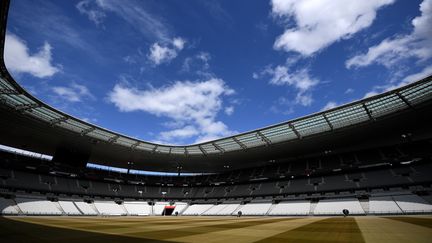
181	72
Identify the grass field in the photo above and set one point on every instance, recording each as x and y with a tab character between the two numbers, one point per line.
216	229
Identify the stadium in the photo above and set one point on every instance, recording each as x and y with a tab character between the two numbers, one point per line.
359	172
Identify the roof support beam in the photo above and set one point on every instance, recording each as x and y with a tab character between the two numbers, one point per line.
299	136
404	100
264	138
186	151
218	147
369	113
240	143
113	139
26	107
202	150
57	120
88	130
133	147
328	122
9	91
154	149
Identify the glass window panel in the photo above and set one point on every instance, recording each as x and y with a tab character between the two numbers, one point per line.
178	150
163	149
311	125
279	133
100	134
194	150
347	116
251	140
146	146
385	105
418	94
228	144
209	148
125	141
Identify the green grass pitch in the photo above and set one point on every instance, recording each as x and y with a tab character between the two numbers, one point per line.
216	229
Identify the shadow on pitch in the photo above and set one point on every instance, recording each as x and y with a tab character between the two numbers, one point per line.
17	231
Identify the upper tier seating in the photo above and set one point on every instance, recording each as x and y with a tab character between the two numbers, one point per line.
335	206
291	208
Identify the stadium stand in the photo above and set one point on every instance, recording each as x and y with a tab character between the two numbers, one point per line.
180	207
158	207
396	202
335	206
228	209
8	207
255	209
69	208
37	206
137	208
412	204
222	209
109	208
383	205
291	208
197	209
86	208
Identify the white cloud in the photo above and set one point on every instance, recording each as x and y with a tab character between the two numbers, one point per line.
195	105
178	43
427	71
229	110
329	105
180	133
300	80
130	11
319	23
89	120
417	44
95	14
163	53
199	64
73	92
349	91
407	80
18	59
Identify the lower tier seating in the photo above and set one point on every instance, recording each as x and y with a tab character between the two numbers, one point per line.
390	202
291	208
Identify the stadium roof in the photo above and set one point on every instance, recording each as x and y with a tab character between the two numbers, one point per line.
66	130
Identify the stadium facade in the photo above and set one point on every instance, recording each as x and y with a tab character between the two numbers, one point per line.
371	156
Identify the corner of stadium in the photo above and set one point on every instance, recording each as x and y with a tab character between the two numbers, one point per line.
360	172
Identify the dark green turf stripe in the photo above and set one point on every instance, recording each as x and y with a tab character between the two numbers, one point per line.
425	222
22	232
326	230
107	224
188	231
